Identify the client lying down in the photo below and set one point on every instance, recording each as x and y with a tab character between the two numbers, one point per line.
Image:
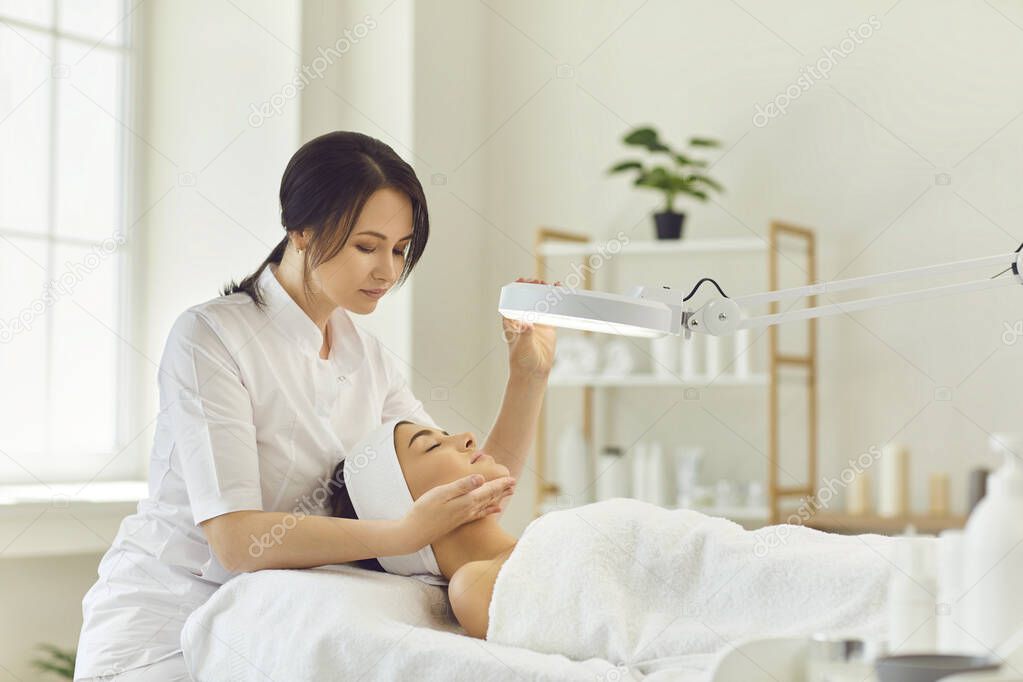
621	580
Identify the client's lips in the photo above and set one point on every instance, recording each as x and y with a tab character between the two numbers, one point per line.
475	457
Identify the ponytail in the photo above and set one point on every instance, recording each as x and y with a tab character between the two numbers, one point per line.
248	285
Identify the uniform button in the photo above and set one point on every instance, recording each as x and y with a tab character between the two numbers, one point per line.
342	380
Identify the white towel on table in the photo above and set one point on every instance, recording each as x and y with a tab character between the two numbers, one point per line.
345	623
628	581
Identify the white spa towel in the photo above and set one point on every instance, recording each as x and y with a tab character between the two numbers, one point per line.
629	582
345	623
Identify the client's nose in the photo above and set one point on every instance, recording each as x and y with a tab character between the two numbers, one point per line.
467	441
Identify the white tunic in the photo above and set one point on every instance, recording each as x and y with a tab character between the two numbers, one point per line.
250	418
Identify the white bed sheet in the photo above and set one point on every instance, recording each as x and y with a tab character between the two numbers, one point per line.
345	623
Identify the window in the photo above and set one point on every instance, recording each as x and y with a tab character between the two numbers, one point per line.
65	138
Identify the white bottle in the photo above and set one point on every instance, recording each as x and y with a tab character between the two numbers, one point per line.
742	353
712	356
893	499
948	613
665	354
993	544
687	361
613	474
911	596
687	469
572	466
657	478
639	460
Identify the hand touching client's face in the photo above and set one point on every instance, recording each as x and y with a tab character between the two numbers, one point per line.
430	457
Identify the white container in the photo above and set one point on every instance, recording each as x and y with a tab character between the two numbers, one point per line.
618	359
712	356
838	658
614	478
572	465
950	588
725	495
687	471
911	596
756	496
857	495
893	499
658	480
638	465
575	354
687	362
993	544
741	354
665	353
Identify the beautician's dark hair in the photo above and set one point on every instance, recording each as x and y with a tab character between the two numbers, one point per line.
340	505
325	187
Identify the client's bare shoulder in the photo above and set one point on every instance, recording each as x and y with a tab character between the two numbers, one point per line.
470	590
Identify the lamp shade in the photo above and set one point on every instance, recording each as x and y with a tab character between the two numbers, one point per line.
586	310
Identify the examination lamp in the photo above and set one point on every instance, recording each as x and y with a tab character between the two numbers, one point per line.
656	311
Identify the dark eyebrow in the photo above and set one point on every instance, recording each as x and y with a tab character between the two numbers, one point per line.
383	236
424	432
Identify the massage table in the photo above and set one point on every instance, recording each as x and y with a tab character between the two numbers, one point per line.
346	623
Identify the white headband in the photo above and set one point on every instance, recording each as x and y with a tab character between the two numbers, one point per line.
377	488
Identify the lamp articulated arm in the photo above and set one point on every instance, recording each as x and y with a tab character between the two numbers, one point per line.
656	311
722	315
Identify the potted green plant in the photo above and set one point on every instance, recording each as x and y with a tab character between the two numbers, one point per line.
681	175
60	662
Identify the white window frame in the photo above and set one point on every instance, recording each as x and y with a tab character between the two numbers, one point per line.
127	459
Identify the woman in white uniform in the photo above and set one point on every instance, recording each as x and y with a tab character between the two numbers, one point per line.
262	392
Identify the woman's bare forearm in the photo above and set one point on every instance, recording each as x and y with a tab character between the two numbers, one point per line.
514	429
262	540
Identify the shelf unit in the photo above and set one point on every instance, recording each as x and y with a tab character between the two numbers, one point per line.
559	243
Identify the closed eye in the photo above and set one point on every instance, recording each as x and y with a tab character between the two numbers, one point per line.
397	252
436	445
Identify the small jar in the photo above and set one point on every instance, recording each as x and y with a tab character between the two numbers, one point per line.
837	658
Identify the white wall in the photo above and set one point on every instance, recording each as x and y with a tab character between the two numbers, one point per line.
41	605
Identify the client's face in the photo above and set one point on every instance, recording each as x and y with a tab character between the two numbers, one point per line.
430	458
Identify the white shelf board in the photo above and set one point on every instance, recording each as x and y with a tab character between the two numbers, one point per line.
655	246
653	380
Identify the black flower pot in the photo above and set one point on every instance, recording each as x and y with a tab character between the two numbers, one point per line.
669	225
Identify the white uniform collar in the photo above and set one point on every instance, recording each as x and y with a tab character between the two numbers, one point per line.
347	350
